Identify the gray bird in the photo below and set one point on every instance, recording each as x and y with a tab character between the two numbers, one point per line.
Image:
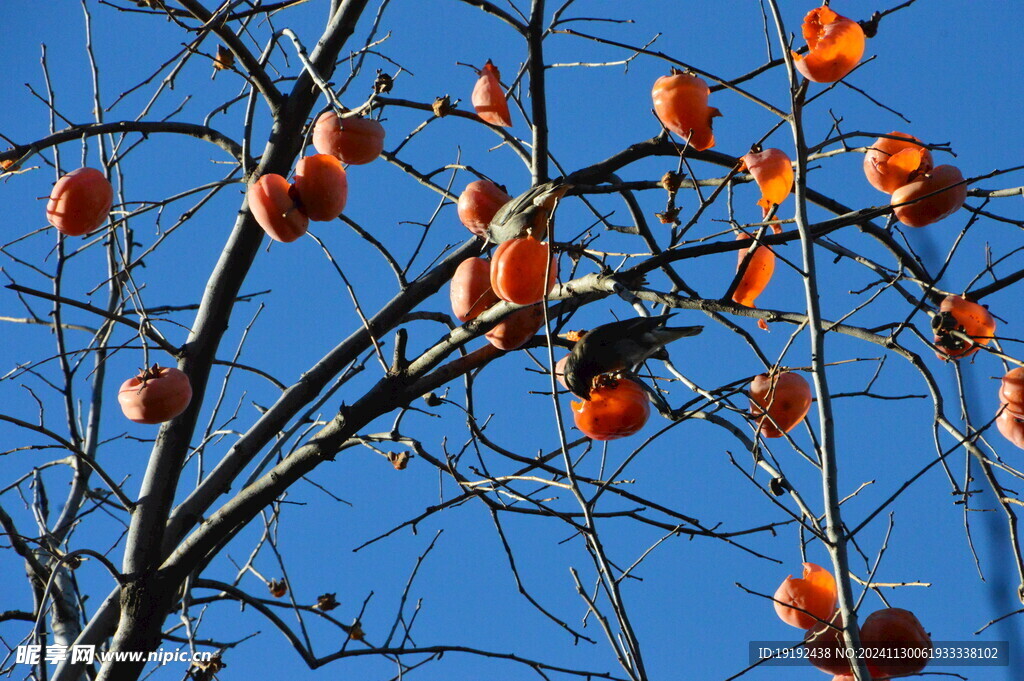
619	346
527	213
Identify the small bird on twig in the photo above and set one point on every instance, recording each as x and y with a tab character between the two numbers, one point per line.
619	346
528	213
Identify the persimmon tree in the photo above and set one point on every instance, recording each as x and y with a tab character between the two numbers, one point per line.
332	359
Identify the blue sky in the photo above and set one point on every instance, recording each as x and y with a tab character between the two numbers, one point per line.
952	68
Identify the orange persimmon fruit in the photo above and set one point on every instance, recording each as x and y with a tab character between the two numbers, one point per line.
893	163
779	402
896	642
835	45
471	291
517	270
489	99
79	202
681	104
354	140
478	203
930	209
759	270
814	592
826	647
156	395
321	186
618	407
773	172
272	205
1011	425
1011	391
956	313
516	329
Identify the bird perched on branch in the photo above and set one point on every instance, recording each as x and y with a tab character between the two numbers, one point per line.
528	213
619	346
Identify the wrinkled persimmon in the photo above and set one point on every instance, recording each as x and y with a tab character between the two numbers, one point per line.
956	313
321	186
617	407
489	99
517	270
354	140
156	395
916	204
478	203
471	291
896	643
681	104
516	329
271	204
814	592
893	163
79	202
779	402
773	172
835	45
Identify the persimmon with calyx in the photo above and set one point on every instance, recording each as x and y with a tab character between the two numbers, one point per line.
814	592
779	402
517	270
1011	425
893	163
616	408
758	272
1011	391
896	643
916	204
471	291
352	139
958	314
835	45
681	104
79	202
478	203
272	205
773	172
515	330
489	99
156	395
321	186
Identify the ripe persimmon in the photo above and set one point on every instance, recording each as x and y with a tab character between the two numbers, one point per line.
681	104
1011	391
516	329
354	140
489	99
759	270
896	642
891	163
773	172
826	647
471	291
271	204
956	313
517	270
1011	426
835	45
156	395
779	402
925	211
617	407
79	202
478	203
321	186
815	592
